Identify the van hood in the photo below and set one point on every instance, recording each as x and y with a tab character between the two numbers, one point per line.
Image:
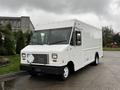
44	48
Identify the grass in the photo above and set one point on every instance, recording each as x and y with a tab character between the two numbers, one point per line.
13	66
111	49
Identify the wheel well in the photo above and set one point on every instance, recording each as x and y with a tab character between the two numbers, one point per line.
71	66
97	55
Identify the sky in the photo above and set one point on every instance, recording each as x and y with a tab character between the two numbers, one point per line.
94	12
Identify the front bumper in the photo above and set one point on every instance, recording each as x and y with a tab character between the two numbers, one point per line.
43	69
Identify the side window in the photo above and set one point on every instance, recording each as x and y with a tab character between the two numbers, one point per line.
78	38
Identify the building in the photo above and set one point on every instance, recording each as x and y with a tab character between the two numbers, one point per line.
18	23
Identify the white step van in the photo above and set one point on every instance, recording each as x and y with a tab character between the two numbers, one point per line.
61	48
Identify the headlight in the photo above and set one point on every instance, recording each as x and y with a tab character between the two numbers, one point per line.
23	56
54	56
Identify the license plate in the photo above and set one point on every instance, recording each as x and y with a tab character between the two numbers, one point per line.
37	69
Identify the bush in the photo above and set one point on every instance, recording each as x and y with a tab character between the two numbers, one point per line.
13	42
9	44
27	36
3	51
20	42
1	41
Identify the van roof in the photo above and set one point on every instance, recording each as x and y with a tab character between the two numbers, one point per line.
61	24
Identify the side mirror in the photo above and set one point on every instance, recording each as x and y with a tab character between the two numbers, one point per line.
78	38
78	42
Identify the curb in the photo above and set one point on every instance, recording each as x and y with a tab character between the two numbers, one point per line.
11	76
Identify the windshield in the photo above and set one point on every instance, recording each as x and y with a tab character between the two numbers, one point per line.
52	36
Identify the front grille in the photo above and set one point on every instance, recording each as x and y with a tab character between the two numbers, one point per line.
40	58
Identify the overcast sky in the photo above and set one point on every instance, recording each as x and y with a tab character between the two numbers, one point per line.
95	12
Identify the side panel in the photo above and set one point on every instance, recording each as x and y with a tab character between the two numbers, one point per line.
91	43
76	56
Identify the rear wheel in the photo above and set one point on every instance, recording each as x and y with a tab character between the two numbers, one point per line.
65	74
96	62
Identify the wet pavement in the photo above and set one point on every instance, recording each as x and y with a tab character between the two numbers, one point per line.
105	76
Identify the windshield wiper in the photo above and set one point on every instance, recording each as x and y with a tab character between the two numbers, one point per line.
57	42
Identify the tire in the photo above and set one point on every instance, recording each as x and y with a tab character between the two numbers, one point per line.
66	73
96	62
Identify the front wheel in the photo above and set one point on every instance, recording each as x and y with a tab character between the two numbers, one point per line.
65	74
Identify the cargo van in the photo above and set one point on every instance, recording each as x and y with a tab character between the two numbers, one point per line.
61	48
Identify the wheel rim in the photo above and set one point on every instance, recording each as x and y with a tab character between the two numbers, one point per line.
66	72
97	60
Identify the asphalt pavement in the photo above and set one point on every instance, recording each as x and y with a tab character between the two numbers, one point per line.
105	76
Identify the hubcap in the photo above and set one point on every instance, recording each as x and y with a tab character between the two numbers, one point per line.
66	72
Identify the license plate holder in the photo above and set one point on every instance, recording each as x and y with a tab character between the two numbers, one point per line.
37	69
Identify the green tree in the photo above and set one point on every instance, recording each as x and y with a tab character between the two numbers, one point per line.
107	36
27	36
1	35
9	42
20	42
9	45
116	38
1	41
5	31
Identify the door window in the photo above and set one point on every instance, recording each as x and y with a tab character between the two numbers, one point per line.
76	38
